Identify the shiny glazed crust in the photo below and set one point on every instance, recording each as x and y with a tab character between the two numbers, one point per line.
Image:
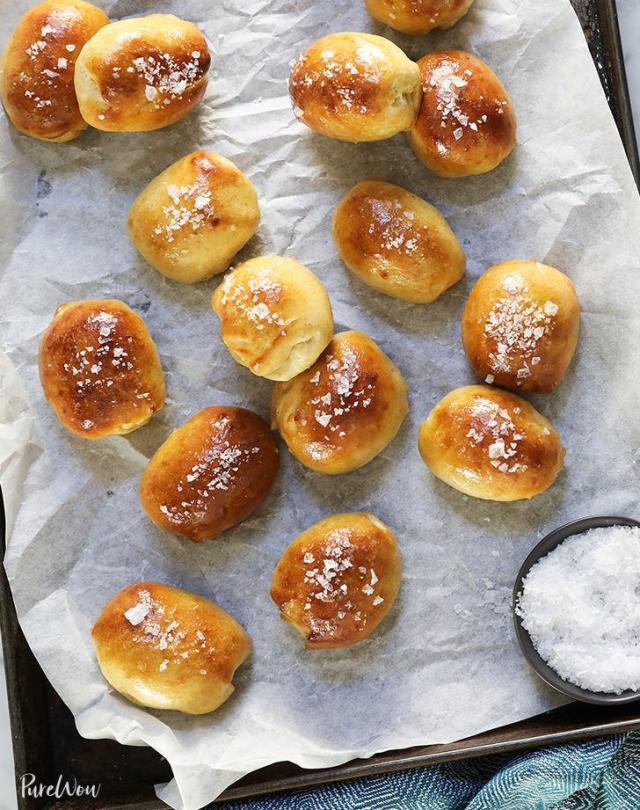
355	87
166	648
418	16
490	444
100	369
343	411
338	580
466	124
210	474
192	219
520	326
275	316
141	74
396	242
38	66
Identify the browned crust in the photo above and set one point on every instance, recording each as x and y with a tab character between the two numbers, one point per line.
211	473
100	369
418	16
396	242
339	414
466	124
491	444
520	326
144	82
180	652
355	87
194	217
38	66
338	580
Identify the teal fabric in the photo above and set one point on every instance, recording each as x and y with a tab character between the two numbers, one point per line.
601	774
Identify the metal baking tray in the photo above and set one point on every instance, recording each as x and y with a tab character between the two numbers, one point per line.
45	740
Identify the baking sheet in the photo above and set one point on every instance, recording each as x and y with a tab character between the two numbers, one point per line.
445	664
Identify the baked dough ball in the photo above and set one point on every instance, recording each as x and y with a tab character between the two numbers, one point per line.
192	219
355	87
100	369
418	16
397	243
275	316
38	65
339	414
520	326
466	124
490	444
141	74
338	580
166	648
210	474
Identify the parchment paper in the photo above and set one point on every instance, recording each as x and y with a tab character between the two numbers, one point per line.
444	664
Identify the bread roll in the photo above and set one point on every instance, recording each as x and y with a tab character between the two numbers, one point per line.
338	580
166	648
142	73
210	474
467	123
397	243
192	219
38	65
339	414
418	16
520	326
490	444
100	369
275	316
355	87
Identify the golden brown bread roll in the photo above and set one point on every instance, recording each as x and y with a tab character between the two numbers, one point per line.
210	474
466	124
166	648
338	580
355	87
396	242
418	16
339	414
490	444
520	325
38	65
100	369
142	73
275	316
192	219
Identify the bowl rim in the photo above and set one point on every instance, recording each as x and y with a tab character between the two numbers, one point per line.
549	542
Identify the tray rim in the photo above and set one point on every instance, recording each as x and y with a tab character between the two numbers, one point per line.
380	765
408	759
362	769
622	112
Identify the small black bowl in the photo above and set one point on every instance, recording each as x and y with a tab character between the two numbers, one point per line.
547	674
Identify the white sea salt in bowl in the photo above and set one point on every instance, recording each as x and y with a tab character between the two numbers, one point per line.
576	608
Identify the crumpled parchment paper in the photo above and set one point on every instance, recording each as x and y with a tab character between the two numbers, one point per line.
445	664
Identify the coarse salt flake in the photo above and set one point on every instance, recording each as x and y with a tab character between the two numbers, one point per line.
137	614
580	605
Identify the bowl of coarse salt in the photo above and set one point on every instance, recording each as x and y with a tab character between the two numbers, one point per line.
576	608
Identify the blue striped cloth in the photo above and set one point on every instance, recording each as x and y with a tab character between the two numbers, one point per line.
601	774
